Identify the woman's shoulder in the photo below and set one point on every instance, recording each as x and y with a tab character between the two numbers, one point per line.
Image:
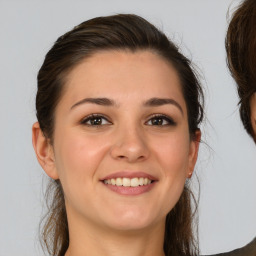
247	250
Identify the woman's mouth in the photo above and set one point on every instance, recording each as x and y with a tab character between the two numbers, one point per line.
127	182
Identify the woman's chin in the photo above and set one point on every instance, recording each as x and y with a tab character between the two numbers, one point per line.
131	221
130	226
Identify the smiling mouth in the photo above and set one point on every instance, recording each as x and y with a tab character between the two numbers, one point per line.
127	182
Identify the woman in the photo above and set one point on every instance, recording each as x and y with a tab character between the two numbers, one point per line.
118	111
241	58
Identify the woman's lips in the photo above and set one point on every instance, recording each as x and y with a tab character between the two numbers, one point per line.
129	183
131	191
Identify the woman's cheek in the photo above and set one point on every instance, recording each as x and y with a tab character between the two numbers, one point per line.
174	153
81	154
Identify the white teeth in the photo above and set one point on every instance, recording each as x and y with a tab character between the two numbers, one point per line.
127	182
141	181
134	182
119	182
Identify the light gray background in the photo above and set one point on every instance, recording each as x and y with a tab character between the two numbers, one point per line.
227	172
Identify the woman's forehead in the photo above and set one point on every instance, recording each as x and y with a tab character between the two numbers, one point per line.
123	75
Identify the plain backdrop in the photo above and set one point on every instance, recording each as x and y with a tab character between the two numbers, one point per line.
227	164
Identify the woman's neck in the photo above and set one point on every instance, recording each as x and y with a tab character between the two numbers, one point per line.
87	239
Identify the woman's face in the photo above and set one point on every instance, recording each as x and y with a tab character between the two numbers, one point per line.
122	148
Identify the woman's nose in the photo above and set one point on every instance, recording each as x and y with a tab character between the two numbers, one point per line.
130	145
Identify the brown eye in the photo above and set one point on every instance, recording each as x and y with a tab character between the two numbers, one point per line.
160	120
157	121
95	120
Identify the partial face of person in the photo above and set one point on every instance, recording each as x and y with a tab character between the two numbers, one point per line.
122	148
253	113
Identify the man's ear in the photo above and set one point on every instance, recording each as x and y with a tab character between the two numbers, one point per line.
193	152
44	151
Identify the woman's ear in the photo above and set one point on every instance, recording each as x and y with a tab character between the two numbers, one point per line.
193	152
44	151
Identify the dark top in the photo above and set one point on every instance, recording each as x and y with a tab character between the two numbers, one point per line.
248	250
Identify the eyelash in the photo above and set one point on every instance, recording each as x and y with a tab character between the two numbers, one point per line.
94	116
170	121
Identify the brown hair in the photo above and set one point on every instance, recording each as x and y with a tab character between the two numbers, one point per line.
118	32
241	56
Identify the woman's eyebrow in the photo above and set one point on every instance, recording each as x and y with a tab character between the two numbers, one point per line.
97	101
155	102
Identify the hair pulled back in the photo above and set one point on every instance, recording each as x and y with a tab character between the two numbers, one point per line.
241	56
117	32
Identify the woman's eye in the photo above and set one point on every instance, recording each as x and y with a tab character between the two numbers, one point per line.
95	120
160	121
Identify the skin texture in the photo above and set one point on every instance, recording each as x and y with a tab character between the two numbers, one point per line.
103	222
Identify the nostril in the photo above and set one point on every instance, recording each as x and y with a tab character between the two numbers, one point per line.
129	152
